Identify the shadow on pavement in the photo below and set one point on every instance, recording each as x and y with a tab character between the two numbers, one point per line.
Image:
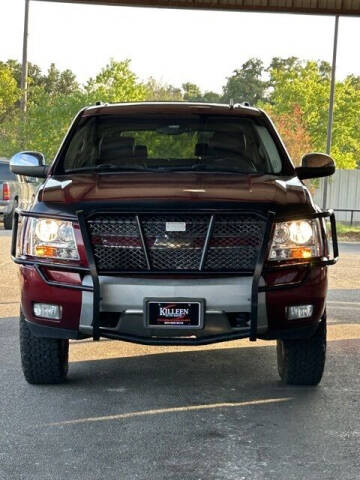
219	375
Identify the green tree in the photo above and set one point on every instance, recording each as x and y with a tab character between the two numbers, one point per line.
56	99
293	132
115	83
211	97
57	82
189	92
246	84
354	80
160	92
192	92
9	97
307	85
35	75
48	119
54	81
284	64
9	91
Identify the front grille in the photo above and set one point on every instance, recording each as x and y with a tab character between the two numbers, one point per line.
130	243
235	243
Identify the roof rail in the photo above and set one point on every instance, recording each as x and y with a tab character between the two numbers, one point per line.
238	105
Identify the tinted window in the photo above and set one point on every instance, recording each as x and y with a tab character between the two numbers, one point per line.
196	142
5	174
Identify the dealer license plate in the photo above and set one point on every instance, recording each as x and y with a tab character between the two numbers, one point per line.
174	313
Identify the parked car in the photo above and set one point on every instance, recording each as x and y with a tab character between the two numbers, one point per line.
15	190
173	224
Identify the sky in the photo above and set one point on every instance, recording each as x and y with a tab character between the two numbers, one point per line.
173	46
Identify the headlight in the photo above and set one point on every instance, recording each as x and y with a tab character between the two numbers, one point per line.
46	230
300	232
50	238
300	239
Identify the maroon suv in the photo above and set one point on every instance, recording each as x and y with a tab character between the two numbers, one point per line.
173	224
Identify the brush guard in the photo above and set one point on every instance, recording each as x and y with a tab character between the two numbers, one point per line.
97	331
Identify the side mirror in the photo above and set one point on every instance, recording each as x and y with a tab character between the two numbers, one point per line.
316	165
29	164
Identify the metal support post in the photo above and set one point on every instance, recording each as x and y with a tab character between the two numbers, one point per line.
331	105
24	70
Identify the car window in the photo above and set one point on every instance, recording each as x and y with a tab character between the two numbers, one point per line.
197	142
270	148
6	174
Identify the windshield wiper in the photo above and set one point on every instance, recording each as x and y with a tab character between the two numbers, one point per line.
198	167
106	167
203	167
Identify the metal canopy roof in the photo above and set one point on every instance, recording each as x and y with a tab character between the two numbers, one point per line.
316	7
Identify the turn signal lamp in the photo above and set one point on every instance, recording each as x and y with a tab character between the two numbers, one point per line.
45	251
302	252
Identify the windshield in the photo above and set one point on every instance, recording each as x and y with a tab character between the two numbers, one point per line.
158	143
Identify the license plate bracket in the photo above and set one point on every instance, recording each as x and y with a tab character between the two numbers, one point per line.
171	313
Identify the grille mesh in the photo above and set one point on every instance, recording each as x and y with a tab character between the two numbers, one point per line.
233	246
235	243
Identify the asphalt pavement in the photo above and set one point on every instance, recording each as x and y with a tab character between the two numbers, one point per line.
209	413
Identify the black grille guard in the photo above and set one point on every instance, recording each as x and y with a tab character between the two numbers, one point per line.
81	219
155	250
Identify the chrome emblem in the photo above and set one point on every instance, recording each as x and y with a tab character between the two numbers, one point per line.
175	226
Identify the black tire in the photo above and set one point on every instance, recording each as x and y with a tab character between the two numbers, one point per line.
302	362
43	360
9	219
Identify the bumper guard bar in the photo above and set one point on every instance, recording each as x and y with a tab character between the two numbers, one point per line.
81	219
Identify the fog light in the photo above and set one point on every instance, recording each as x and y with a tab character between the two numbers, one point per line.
299	311
46	310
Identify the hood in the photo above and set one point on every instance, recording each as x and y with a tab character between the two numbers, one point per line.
201	190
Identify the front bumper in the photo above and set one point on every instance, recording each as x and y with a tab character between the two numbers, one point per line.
263	296
224	297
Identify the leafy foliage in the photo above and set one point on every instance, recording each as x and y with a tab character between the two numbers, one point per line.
293	132
56	98
306	86
115	83
160	92
294	92
9	91
246	84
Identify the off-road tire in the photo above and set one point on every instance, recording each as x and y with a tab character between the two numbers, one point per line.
43	360
302	362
